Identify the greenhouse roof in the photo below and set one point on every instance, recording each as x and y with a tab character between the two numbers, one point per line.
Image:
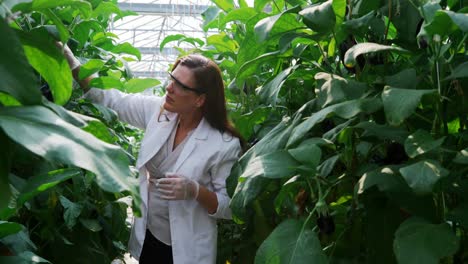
155	21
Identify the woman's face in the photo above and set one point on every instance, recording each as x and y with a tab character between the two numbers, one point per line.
180	97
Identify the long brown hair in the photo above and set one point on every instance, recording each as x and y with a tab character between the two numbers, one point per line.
208	76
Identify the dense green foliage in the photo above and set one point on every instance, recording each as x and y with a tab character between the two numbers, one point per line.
356	113
65	183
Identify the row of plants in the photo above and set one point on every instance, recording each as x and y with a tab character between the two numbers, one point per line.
66	178
356	115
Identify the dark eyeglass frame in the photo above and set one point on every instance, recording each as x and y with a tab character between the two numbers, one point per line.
185	87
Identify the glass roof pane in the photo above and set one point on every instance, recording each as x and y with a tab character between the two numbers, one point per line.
155	21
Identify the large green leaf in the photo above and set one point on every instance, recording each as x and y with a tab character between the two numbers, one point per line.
461	71
405	79
399	104
292	242
106	82
345	110
385	179
5	163
225	5
43	182
423	175
222	42
418	241
90	67
421	142
17	76
8	228
25	257
40	5
139	85
445	22
307	154
269	92
319	17
127	48
274	165
46	59
335	89
383	132
364	48
461	157
72	211
41	131
238	14
284	21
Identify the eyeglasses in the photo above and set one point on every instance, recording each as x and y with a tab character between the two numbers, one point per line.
178	83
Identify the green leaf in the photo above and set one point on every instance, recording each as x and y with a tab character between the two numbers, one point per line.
25	257
127	48
347	109
421	142
82	31
339	8
238	14
5	165
222	42
62	30
49	61
307	154
106	9
336	89
106	82
91	224
72	211
18	81
264	27
461	71
399	104
41	131
225	5
269	92
319	17
139	85
446	22
291	242
274	165
90	67
461	157
8	100
180	38
43	182
423	175
383	132
9	228
405	79
385	179
418	241
40	5
364	48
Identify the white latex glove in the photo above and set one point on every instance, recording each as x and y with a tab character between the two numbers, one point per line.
73	62
176	187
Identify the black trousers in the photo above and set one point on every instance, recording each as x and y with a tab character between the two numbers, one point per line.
155	251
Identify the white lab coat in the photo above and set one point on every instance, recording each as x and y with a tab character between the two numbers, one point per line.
207	157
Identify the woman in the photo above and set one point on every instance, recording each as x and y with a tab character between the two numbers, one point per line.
186	155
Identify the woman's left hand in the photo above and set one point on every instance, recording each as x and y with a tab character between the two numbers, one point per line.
177	187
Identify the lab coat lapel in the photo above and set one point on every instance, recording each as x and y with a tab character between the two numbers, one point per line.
200	133
155	138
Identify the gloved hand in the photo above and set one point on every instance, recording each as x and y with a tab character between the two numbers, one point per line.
73	62
177	187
